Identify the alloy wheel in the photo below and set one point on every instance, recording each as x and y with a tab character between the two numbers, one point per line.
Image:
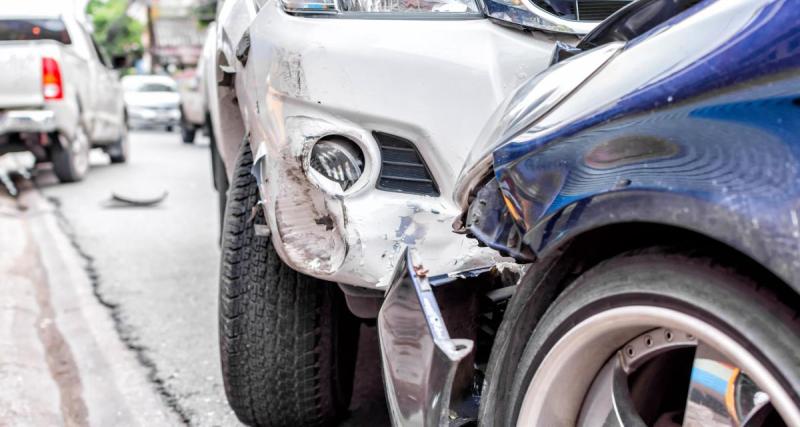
641	365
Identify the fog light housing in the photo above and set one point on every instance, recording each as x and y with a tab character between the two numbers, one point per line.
339	160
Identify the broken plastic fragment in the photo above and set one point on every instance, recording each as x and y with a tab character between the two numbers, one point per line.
139	201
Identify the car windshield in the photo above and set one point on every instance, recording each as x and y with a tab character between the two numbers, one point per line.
154	87
150	87
33	29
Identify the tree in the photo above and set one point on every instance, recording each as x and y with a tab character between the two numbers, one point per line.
117	32
205	12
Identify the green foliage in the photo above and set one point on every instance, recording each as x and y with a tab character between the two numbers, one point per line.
117	32
205	12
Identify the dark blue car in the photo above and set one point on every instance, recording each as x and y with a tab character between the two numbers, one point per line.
651	180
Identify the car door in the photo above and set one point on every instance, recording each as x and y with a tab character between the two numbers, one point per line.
102	94
92	98
112	115
106	97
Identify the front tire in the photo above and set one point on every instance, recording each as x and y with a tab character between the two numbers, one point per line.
617	310
119	151
287	341
188	132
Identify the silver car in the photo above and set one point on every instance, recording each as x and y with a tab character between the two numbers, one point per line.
343	125
152	101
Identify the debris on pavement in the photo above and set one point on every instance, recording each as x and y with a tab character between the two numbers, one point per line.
137	201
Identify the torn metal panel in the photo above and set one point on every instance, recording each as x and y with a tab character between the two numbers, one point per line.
419	357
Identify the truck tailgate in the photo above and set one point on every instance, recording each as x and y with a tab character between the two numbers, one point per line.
21	74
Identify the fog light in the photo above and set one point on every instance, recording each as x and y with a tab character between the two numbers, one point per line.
339	160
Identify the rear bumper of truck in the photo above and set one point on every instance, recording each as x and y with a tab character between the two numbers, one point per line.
27	121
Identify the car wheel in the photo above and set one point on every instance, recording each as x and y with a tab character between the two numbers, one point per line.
119	151
650	338
188	132
71	157
287	341
170	128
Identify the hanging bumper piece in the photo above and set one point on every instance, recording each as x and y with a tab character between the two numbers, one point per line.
419	357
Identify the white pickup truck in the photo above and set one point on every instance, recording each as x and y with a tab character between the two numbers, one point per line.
59	96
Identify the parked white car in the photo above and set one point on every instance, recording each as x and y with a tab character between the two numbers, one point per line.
59	96
193	103
343	125
152	101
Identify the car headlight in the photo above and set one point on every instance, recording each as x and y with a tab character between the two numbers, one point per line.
407	7
339	160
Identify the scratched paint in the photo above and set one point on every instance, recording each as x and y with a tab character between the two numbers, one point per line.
308	79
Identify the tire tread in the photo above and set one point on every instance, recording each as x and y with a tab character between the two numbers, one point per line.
275	358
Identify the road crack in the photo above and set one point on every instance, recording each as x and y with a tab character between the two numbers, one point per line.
124	330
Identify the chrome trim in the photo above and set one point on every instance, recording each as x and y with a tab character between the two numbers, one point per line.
27	121
419	357
526	14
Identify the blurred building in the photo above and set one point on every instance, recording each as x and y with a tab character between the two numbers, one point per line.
175	36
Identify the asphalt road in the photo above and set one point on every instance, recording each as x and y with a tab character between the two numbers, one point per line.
151	274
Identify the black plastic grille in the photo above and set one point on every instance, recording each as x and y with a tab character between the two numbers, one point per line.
402	167
598	10
562	8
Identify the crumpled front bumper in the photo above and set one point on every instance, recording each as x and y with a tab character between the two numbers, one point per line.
420	359
431	82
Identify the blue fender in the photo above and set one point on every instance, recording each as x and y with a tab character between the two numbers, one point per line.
709	141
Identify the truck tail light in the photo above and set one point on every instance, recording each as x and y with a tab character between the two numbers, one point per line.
52	88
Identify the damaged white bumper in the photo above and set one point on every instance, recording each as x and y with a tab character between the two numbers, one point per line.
429	83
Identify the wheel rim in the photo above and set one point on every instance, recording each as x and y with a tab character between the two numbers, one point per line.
79	149
583	379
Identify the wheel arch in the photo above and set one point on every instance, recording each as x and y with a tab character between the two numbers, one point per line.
581	251
68	125
233	19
